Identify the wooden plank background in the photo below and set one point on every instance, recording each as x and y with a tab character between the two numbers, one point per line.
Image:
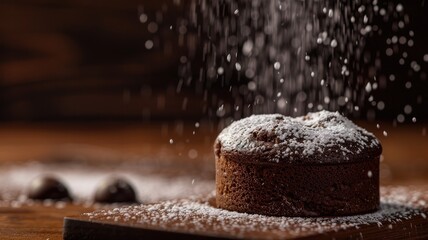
80	60
74	59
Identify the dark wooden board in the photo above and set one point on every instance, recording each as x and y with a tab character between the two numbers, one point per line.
75	228
404	222
83	229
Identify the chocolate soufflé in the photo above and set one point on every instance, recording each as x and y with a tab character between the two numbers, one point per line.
320	164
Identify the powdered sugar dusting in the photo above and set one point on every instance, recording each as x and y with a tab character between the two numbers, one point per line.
287	138
199	216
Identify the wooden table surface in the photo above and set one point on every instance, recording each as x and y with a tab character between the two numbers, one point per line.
405	159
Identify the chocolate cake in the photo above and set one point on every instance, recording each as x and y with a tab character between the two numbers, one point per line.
320	164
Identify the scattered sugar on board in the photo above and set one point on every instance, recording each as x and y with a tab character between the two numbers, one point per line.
308	135
196	215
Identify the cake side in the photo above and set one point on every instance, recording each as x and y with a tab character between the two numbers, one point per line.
297	190
317	138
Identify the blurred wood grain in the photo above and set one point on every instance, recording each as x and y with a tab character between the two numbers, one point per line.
80	60
74	59
22	223
404	158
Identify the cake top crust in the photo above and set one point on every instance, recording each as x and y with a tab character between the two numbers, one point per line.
318	138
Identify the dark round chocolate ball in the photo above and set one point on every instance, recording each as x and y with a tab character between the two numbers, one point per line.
48	187
115	190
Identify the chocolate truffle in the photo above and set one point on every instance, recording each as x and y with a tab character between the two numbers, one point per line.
48	187
320	164
115	190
